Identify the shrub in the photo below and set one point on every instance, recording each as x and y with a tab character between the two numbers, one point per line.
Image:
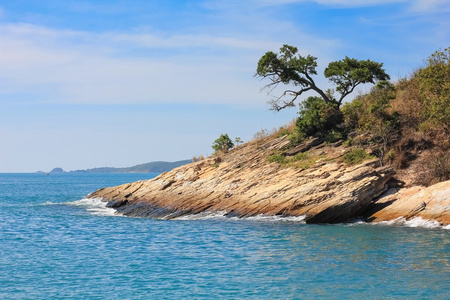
434	86
349	142
263	133
278	158
317	116
333	136
299	156
296	137
437	168
301	160
288	129
356	156
223	143
238	141
352	112
305	163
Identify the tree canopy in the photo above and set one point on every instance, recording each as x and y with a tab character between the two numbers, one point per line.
290	68
223	143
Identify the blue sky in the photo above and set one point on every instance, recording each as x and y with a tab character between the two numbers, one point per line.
115	83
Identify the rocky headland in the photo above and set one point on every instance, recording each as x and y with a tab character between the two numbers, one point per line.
320	187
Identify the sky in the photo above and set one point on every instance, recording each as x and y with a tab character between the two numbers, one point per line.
116	83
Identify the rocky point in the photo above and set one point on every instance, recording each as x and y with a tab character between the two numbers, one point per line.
244	183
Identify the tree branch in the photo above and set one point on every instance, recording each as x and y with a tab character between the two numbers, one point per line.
276	102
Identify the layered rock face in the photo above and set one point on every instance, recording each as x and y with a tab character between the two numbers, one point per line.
432	203
243	183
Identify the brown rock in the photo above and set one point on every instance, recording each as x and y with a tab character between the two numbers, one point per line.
431	203
245	184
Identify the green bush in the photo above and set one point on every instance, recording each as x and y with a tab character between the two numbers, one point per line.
434	87
299	156
296	137
356	156
333	136
223	143
278	158
317	116
301	160
349	142
352	112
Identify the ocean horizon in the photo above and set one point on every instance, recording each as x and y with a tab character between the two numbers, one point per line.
57	244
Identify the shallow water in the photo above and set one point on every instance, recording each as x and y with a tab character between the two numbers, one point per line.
56	245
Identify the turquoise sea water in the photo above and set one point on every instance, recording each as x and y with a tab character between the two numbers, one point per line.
54	245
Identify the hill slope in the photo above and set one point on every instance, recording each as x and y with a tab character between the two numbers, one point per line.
152	167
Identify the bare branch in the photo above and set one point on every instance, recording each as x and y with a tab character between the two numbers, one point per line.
278	104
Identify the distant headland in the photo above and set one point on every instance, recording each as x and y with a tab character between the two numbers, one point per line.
151	167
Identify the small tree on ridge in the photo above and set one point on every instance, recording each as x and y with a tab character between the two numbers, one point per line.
223	143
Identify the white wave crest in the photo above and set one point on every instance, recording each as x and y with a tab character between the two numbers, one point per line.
265	218
205	215
95	206
209	215
414	222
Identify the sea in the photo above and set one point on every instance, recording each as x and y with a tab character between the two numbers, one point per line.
56	244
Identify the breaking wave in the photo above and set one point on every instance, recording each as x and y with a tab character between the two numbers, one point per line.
209	215
95	206
98	207
414	222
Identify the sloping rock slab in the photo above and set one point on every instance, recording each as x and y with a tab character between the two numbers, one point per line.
245	184
431	203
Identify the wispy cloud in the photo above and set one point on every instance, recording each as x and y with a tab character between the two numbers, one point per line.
425	6
334	3
142	65
415	5
84	67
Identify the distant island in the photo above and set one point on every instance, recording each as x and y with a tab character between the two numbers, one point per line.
151	167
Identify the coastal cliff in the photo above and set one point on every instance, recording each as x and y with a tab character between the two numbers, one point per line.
243	183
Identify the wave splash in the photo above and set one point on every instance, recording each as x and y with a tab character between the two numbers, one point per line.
99	208
414	222
209	215
95	206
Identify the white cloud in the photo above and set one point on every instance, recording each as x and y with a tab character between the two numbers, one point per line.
88	68
423	6
84	67
337	3
431	5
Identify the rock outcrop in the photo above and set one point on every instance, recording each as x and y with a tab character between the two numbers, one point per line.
243	183
431	203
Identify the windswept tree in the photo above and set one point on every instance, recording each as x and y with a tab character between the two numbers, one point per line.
290	68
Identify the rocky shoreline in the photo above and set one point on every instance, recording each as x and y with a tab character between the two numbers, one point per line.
243	183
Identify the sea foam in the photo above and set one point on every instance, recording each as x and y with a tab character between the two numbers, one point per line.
414	222
98	207
95	206
209	215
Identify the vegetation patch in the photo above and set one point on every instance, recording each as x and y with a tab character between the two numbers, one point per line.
356	156
302	160
278	158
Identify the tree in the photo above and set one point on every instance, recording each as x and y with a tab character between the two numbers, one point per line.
223	143
291	68
434	87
